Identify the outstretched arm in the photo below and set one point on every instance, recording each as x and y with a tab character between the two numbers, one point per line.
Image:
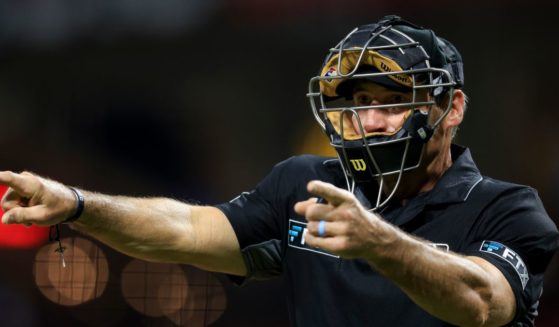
465	291
154	229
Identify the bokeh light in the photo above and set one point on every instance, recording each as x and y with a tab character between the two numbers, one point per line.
154	289
84	277
185	295
206	300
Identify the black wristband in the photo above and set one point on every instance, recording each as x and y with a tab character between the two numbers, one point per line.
80	204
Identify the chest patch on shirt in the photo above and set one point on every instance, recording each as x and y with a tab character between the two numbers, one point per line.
296	238
508	255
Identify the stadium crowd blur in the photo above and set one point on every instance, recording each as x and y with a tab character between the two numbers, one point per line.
197	100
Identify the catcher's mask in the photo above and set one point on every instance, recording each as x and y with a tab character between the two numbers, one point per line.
402	58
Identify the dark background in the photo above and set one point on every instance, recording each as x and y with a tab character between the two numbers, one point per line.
198	99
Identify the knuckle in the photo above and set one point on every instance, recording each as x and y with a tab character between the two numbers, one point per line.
12	217
312	211
310	239
312	227
10	176
346	214
42	216
37	183
345	229
6	205
339	245
348	195
40	186
344	243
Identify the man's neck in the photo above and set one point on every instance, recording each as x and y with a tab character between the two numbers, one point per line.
420	180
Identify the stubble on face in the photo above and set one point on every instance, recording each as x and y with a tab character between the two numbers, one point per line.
435	161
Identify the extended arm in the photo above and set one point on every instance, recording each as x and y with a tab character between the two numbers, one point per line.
465	291
154	229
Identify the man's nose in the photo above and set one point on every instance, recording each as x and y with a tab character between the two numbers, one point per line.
374	120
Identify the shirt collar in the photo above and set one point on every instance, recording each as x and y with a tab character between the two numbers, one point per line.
458	181
454	186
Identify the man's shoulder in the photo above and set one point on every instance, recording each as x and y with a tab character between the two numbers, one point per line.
507	199
307	162
501	187
304	168
309	159
465	170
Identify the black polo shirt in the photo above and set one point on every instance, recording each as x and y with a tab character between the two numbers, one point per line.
465	212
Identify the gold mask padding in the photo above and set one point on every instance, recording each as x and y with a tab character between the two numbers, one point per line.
350	134
348	63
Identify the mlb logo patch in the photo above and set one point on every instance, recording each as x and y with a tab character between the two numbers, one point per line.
332	72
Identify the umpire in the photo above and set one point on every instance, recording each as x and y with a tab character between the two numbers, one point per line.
401	229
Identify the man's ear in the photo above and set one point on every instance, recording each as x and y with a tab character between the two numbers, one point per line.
456	113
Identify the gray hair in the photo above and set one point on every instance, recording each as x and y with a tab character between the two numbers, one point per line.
455	128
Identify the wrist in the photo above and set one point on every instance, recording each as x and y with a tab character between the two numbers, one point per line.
390	246
78	209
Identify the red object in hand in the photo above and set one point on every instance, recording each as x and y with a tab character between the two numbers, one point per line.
19	236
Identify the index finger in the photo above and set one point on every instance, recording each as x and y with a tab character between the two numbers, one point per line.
334	195
18	182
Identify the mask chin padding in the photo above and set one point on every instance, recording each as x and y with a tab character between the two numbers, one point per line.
388	157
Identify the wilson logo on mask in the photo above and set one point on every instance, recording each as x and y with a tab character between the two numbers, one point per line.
359	164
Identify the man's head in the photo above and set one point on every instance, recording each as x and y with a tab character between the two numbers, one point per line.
383	91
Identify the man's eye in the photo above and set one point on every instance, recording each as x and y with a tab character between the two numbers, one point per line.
397	99
363	99
396	110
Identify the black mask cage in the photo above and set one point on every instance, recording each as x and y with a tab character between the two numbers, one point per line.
402	58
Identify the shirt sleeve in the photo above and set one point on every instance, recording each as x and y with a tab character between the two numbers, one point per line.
517	236
255	215
259	218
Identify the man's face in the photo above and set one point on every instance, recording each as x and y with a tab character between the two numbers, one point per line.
385	121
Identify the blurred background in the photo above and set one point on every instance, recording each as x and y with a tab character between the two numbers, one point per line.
197	100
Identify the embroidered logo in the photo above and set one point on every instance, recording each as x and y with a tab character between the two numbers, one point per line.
508	255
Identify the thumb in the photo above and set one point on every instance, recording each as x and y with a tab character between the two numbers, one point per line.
12	216
22	215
